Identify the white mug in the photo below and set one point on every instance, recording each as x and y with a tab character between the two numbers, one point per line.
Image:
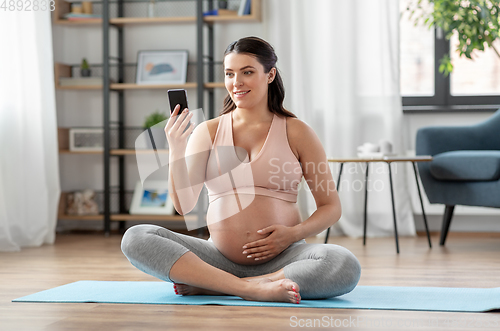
368	148
385	146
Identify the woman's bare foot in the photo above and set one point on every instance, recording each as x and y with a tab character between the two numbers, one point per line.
265	289
283	290
184	289
274	277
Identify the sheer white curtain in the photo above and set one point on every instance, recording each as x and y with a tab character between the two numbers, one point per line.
340	65
29	173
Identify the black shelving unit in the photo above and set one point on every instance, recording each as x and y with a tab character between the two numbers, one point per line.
200	79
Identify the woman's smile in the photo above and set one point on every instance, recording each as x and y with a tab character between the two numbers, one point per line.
241	94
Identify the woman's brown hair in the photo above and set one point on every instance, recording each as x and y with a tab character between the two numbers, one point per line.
264	53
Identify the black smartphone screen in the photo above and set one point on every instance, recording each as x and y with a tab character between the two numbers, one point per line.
176	97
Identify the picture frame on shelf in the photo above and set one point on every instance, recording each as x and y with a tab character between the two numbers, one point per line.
86	139
152	198
161	67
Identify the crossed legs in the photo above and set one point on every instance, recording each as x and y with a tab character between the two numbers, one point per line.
185	289
189	267
308	271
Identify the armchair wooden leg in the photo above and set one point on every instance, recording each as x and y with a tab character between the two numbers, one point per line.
448	214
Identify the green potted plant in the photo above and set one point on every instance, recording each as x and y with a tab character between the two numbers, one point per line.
154	118
155	132
477	23
84	68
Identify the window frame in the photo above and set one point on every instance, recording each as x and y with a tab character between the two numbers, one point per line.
442	100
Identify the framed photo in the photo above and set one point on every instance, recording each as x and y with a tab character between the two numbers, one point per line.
161	67
86	139
152	199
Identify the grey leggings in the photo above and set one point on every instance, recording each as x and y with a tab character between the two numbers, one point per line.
321	270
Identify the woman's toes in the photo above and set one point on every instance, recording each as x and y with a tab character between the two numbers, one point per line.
180	288
295	287
290	285
294	297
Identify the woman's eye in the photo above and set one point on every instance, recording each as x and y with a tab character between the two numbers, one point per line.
230	73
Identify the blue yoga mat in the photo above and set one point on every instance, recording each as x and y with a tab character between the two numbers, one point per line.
362	297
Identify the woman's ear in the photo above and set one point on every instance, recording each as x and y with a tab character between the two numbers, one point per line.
271	75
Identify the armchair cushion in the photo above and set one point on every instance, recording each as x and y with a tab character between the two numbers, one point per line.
466	166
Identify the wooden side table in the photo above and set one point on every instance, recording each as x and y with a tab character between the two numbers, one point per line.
388	160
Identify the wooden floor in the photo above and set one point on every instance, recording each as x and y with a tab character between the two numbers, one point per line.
468	260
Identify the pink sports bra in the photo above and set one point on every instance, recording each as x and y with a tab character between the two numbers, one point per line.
274	172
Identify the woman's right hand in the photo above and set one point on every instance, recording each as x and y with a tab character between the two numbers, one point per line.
174	130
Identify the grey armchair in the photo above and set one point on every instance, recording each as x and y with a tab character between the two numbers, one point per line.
466	166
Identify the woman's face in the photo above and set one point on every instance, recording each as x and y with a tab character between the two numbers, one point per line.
246	80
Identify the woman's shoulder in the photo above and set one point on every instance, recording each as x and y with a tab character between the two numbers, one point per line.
297	128
300	135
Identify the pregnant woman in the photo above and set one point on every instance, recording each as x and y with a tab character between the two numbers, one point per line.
252	159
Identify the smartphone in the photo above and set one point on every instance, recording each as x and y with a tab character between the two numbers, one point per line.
178	97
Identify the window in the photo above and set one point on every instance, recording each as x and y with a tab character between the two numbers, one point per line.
473	84
416	57
481	76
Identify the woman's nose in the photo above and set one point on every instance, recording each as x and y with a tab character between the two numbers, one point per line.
238	81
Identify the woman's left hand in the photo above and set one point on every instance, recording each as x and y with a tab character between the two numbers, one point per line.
280	238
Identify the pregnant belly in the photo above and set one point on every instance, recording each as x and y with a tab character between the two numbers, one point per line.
238	228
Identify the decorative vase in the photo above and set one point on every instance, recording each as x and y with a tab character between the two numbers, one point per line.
85	72
76	9
87	7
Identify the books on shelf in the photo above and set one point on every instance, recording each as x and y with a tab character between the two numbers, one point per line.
220	12
245	6
81	81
